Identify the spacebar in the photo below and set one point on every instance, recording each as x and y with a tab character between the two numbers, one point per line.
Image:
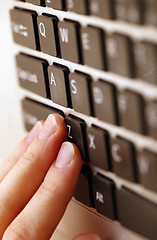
137	213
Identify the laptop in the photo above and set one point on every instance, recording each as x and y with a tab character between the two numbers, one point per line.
93	62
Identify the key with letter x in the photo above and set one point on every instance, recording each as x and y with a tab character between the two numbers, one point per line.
97	140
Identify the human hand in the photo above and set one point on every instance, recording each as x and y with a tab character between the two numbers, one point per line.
37	182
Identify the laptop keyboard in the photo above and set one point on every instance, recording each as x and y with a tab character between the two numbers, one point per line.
101	76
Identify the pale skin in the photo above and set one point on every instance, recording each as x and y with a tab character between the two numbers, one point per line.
42	169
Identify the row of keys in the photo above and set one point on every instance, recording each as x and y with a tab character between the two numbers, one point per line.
85	45
130	209
98	191
97	147
77	90
136	11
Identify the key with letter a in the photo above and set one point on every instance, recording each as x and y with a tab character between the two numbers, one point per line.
68	36
58	82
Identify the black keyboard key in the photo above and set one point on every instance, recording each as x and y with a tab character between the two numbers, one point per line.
56	4
129	11
104	196
76	133
145	60
80	92
147	166
48	35
36	2
131	111
34	111
77	6
59	85
150	16
102	8
24	28
97	140
92	47
105	107
123	158
136	213
119	54
151	118
68	35
84	192
32	74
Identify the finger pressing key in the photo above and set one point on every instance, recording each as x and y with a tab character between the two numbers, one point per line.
42	214
25	177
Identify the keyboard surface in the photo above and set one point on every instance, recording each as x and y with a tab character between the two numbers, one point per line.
94	62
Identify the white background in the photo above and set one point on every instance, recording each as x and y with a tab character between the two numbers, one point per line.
10	119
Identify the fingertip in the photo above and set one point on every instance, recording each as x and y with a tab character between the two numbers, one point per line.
59	119
58	116
53	125
61	124
68	154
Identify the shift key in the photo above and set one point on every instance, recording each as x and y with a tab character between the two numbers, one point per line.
32	74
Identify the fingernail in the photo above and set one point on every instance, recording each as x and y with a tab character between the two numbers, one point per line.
34	132
49	127
65	156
